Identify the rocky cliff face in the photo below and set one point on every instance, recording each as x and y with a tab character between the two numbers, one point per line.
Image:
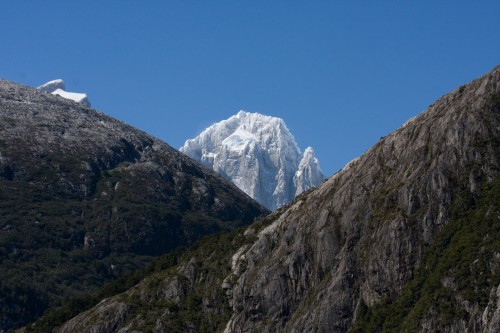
359	239
85	198
260	155
404	238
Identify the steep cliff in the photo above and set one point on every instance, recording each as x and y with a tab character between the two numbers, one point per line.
85	198
259	154
359	239
404	238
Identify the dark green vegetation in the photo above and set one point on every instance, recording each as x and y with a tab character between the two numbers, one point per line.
85	199
455	269
203	306
459	269
54	317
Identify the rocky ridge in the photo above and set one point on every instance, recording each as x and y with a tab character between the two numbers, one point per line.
259	154
404	238
85	198
358	239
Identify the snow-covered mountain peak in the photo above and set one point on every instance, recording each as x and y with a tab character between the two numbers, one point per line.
239	140
267	130
259	154
309	151
308	173
57	87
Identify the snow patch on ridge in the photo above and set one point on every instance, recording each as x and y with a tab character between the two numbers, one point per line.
77	97
57	87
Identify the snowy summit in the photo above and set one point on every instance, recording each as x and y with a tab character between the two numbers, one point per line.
56	87
260	155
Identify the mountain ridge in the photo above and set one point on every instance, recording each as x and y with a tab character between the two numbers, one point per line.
86	198
339	255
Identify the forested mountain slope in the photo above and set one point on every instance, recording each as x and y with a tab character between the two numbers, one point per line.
85	198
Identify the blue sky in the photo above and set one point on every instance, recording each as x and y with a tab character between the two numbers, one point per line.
341	74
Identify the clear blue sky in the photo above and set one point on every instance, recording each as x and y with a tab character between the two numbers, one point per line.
341	74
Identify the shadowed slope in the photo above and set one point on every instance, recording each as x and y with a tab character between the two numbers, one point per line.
85	198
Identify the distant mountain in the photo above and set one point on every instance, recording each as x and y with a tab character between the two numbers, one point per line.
260	155
406	238
85	198
57	87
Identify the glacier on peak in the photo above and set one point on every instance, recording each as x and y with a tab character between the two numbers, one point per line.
57	87
260	155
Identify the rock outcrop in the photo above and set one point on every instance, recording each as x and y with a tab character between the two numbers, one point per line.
259	154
